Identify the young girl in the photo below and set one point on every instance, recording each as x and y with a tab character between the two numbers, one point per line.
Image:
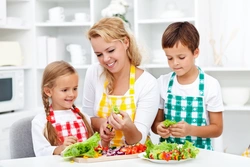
188	95
61	124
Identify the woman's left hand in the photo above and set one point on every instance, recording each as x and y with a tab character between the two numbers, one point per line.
119	121
181	129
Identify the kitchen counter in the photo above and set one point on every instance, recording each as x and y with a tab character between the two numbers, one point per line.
204	159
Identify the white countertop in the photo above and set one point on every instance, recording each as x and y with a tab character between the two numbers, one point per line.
204	159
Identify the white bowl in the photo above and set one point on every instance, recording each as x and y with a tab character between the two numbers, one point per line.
235	96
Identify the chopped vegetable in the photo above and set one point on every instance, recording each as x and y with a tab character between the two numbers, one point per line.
170	151
116	110
168	122
85	148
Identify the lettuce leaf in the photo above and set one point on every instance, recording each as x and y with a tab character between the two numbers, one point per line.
82	148
168	122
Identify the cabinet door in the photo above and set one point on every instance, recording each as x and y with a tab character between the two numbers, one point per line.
2	12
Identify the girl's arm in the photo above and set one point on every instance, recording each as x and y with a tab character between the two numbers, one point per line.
41	145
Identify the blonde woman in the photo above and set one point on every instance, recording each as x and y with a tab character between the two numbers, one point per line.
118	81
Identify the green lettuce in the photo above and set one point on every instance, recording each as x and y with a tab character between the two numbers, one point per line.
116	110
168	123
85	148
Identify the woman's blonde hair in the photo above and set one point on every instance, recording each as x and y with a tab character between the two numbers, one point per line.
50	74
111	29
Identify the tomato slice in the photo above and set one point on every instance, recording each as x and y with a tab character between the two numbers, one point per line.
134	150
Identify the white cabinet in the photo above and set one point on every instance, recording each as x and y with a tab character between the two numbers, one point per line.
27	21
2	12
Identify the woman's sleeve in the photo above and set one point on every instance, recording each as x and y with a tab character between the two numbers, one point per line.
41	145
147	105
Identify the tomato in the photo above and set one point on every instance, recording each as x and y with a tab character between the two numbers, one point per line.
141	147
105	148
123	149
129	150
134	150
167	156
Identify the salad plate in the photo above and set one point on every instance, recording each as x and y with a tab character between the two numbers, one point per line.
141	155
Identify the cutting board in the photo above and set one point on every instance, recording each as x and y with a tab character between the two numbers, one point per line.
105	158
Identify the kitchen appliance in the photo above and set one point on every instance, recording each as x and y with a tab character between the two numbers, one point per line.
11	90
10	53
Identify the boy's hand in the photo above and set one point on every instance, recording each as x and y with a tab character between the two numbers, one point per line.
181	129
162	130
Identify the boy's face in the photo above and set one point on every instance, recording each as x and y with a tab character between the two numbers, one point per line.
180	58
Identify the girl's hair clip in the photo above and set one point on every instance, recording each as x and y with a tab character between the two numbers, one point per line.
48	118
76	110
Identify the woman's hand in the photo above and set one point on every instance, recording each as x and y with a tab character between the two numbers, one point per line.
119	121
181	129
162	130
105	133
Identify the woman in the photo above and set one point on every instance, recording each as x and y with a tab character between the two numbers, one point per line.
117	81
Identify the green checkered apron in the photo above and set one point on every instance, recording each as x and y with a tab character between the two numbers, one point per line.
189	109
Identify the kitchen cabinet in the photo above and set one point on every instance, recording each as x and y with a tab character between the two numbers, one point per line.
148	20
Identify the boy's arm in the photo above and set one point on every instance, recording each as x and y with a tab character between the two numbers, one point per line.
214	129
158	119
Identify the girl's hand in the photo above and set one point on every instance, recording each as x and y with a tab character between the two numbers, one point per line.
119	121
162	130
105	133
181	129
69	140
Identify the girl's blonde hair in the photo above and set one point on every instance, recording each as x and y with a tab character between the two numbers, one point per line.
111	29
50	74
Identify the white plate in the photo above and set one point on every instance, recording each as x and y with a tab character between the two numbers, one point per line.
141	155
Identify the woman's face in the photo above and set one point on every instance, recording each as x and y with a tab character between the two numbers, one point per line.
111	56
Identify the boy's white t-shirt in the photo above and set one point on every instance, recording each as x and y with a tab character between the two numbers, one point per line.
212	92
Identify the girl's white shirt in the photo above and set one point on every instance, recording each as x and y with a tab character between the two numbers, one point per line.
41	145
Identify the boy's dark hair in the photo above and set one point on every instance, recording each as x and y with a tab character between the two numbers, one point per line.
183	32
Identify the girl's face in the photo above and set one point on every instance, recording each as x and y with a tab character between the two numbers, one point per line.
180	59
111	56
64	93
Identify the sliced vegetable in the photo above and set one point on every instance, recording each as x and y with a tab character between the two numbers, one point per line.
85	148
168	122
170	151
116	110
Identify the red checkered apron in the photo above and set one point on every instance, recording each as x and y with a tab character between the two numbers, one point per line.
70	128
